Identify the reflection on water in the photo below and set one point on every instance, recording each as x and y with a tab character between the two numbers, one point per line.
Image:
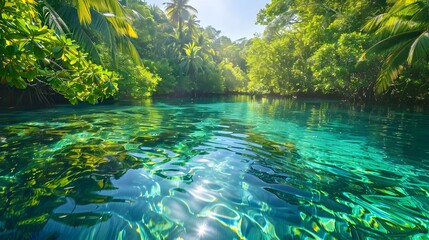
234	169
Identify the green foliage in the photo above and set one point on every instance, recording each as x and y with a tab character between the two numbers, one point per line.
167	81
186	57
178	11
335	66
308	47
192	63
138	82
154	30
192	27
260	67
91	21
403	34
32	54
234	78
313	47
210	79
273	68
318	45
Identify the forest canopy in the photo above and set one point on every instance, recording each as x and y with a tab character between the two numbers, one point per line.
90	50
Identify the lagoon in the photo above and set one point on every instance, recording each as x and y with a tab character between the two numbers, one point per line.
223	168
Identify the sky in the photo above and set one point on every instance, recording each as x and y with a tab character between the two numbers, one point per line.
235	18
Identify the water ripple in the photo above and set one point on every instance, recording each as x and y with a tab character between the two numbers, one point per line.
268	169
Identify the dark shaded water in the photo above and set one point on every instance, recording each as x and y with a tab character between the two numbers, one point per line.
228	169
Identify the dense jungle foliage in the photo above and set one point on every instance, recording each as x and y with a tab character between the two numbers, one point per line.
89	50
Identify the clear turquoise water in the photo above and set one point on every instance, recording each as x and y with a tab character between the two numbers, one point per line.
236	168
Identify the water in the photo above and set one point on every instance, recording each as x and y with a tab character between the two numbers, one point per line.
236	168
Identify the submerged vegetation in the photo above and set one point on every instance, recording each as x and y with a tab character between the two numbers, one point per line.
90	50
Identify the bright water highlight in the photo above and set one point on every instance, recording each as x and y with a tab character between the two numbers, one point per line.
237	168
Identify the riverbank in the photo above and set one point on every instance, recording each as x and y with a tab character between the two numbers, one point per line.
37	97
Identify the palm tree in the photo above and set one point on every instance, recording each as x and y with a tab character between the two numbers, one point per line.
192	63
404	34
192	25
81	17
178	11
205	45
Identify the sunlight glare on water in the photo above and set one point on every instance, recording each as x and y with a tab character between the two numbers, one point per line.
233	168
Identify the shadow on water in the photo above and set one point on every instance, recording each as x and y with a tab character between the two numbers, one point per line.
207	169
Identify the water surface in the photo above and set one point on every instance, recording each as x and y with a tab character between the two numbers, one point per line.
236	168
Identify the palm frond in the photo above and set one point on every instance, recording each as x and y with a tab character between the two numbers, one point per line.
128	46
179	10
391	43
392	68
109	6
410	10
419	48
116	33
191	9
404	34
88	45
393	26
399	4
111	9
397	19
83	9
420	13
374	23
53	20
79	32
100	24
122	27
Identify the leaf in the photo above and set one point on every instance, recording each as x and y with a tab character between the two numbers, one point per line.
130	32
53	20
22	26
392	68
58	52
391	43
419	49
81	33
84	13
42	31
38	52
31	74
11	49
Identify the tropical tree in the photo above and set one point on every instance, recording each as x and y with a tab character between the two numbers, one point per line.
32	55
206	45
178	11
311	47
336	69
159	49
192	25
403	34
234	77
192	63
